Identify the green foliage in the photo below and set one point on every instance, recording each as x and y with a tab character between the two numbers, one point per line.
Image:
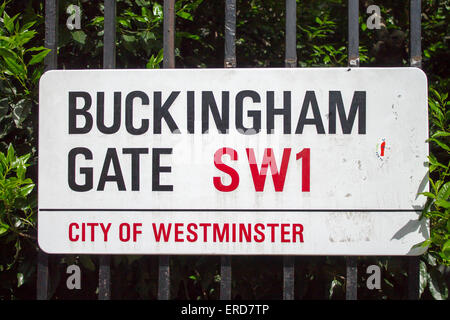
21	57
14	186
433	278
153	62
138	34
437	208
20	70
17	220
435	27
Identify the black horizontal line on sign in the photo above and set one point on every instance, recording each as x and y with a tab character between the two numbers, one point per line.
237	210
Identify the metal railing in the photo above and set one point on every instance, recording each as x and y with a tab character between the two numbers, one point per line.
109	62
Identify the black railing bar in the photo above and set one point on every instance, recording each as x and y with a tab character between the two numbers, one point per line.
164	277
169	34
109	62
104	277
290	62
168	62
291	34
225	278
229	62
415	34
353	33
288	277
230	34
50	63
109	35
415	61
351	287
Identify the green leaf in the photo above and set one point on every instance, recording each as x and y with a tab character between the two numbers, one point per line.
2	8
444	192
14	67
153	62
185	15
442	203
438	287
422	244
20	170
124	22
9	22
435	162
38	57
4	107
5	52
21	110
97	20
20	279
446	247
3	162
423	277
23	38
27	26
333	285
440	143
10	155
440	134
188	35
79	36
24	191
128	38
3	228
148	35
25	157
428	194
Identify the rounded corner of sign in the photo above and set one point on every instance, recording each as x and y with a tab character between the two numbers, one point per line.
421	74
42	247
45	75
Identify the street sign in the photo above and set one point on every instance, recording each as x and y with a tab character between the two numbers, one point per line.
323	161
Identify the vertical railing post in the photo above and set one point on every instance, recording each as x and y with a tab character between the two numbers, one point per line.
109	35
291	34
415	61
50	63
51	34
169	34
290	61
230	34
229	62
168	62
351	292
353	33
164	278
288	277
351	286
415	34
109	62
42	276
225	278
104	278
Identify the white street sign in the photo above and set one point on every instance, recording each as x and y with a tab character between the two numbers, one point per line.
323	161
